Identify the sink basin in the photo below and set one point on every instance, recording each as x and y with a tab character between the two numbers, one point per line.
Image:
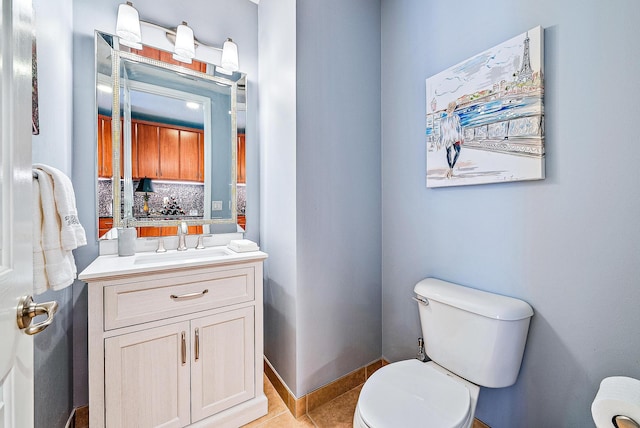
188	255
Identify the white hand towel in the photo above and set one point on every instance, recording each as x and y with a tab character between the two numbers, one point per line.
72	233
59	264
40	281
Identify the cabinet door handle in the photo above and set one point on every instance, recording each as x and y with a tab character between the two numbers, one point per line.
197	344
184	348
190	295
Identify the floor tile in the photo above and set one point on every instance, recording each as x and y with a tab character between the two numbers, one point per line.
276	405
337	413
286	420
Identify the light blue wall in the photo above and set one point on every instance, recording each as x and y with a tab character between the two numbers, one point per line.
212	21
338	189
277	94
53	348
320	188
568	245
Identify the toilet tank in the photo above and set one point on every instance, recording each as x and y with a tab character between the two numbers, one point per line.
477	335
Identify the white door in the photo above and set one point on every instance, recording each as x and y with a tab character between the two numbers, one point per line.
16	347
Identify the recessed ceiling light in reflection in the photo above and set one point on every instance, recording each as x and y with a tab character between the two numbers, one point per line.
192	105
104	88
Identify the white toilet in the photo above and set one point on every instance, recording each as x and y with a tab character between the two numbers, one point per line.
473	338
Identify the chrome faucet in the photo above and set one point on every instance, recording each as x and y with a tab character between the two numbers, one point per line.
200	244
183	230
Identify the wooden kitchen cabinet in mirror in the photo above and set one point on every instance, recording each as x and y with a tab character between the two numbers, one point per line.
157	54
242	173
166	152
157	151
105	148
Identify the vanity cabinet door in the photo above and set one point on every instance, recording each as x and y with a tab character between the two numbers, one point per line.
146	378
222	364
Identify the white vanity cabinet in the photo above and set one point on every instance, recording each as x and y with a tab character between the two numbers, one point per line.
175	344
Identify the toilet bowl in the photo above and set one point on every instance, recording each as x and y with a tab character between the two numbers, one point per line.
415	394
462	327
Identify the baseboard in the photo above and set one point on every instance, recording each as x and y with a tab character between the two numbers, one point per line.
477	423
298	406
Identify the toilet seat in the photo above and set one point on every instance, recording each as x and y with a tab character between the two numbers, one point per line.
413	394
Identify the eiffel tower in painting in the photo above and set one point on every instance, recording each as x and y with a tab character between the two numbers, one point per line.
526	73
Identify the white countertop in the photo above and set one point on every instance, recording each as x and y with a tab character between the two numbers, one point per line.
114	265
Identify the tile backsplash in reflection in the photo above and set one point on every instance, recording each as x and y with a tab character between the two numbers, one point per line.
189	196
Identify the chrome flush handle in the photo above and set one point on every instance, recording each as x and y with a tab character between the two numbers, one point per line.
421	300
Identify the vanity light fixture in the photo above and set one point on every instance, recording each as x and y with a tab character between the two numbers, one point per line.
229	55
184	46
128	30
128	26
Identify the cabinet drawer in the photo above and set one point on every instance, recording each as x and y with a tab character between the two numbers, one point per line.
143	301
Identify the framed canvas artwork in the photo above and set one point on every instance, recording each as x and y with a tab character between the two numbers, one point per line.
485	116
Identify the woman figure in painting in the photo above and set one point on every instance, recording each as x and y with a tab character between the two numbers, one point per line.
451	136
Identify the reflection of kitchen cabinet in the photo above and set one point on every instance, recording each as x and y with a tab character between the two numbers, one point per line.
148	145
134	151
166	231
148	52
157	151
169	153
105	147
195	230
191	156
195	64
241	159
104	225
167	57
175	346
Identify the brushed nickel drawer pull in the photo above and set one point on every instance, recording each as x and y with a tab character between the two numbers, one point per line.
184	349
190	295
197	344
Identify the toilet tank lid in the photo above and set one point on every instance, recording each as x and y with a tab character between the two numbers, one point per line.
480	302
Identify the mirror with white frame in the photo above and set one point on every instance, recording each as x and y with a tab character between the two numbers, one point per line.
178	130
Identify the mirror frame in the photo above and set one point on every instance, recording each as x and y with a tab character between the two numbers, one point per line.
117	56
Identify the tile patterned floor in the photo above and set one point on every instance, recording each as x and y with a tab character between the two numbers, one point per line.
337	413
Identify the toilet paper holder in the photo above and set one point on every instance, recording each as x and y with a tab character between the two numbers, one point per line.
621	421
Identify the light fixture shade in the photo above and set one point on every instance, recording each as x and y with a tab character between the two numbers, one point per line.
229	56
145	186
128	25
185	45
182	59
